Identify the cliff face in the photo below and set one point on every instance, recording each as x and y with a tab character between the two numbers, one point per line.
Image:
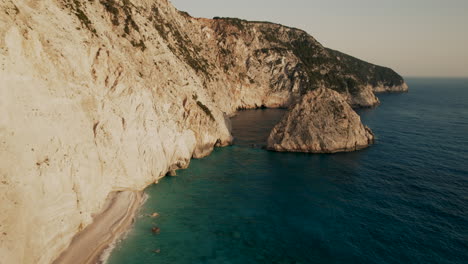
106	95
288	59
322	122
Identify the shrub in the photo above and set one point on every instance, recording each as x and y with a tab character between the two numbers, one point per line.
140	45
111	7
76	8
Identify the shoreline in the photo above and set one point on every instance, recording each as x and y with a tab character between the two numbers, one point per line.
88	246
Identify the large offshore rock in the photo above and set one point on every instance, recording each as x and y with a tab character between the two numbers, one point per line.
322	122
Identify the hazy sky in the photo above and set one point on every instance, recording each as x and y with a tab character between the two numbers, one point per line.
414	37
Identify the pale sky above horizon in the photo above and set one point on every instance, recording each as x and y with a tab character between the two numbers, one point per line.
426	38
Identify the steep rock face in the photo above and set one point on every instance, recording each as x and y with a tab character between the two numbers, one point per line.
289	63
322	122
109	95
82	116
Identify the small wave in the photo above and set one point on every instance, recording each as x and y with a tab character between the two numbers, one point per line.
108	251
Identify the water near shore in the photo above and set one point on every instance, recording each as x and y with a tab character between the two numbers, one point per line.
403	200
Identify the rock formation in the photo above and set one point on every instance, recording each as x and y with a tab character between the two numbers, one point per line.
322	122
104	96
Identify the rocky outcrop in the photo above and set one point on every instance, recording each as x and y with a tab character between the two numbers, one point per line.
376	78
322	122
105	96
382	88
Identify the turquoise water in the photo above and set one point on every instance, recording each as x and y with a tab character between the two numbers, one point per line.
404	200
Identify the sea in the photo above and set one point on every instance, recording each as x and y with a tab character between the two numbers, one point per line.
403	200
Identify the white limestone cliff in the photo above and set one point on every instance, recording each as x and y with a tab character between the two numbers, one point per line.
81	117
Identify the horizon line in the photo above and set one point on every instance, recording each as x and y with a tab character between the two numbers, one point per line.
434	77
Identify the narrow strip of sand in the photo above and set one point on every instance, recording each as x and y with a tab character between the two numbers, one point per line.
88	245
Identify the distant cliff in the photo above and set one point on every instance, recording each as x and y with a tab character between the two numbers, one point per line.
289	59
109	95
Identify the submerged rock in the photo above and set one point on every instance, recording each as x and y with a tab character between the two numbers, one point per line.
156	230
322	122
154	215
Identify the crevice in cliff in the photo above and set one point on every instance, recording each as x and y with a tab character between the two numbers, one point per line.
96	124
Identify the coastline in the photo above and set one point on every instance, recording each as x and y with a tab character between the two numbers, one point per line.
88	246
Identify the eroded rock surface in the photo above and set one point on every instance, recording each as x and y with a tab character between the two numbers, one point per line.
322	122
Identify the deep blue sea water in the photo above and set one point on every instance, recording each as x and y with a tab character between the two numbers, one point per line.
403	200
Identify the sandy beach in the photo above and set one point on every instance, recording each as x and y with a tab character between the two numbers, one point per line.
88	245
